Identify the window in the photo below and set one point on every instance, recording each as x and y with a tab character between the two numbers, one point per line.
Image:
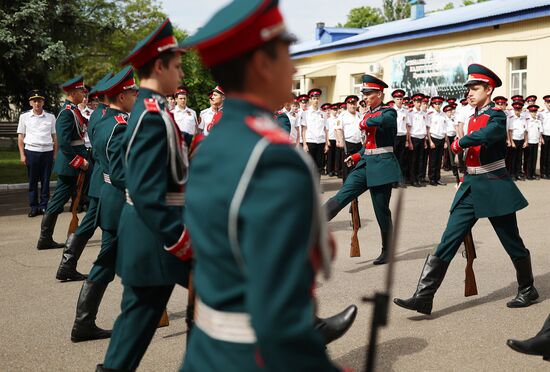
296	87
518	76
356	84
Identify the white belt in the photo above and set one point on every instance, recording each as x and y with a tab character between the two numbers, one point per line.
496	165
380	150
224	326
77	142
106	178
174	199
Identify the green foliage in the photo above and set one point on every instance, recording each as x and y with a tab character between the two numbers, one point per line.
395	10
364	16
449	6
45	42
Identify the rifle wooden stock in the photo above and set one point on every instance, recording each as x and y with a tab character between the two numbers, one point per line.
76	201
470	286
164	321
355	251
190	311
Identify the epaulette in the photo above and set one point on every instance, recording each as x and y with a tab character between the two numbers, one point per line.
120	120
151	105
431	112
386	107
68	107
497	109
267	128
410	110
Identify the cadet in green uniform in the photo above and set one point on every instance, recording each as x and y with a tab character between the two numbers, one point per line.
153	245
487	192
71	158
257	249
76	242
121	92
376	167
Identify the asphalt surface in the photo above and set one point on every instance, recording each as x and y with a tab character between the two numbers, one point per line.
462	334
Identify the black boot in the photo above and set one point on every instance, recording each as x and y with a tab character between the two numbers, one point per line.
538	345
383	258
336	326
46	232
332	207
527	293
100	368
67	268
84	328
432	275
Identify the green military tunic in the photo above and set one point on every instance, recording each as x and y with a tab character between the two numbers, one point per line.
70	128
283	120
492	194
152	218
254	247
377	167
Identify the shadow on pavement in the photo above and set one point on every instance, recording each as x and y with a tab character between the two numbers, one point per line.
542	283
388	353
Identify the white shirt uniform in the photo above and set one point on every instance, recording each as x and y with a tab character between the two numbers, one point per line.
186	119
517	125
38	130
534	131
331	125
86	112
402	120
463	116
418	121
299	115
315	123
437	124
350	126
450	125
545	118
206	118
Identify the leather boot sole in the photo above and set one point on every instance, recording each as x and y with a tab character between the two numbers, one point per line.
99	336
52	245
513	344
530	298
423	308
70	276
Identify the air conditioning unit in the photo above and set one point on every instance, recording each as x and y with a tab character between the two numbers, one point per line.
374	68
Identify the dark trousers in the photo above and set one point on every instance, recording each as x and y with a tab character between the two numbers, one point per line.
436	156
509	159
87	226
517	157
532	154
416	158
462	219
317	152
351	148
141	309
334	158
64	189
425	156
545	157
401	153
103	270
39	169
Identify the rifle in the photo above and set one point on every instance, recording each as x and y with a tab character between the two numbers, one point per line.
76	201
381	300
470	285
190	310
164	321
355	250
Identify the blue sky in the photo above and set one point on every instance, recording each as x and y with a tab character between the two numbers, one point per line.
301	16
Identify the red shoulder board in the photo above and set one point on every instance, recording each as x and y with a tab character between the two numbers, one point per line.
431	112
68	107
385	107
497	109
267	128
120	120
151	105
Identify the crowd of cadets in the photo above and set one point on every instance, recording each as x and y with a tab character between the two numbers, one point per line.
425	128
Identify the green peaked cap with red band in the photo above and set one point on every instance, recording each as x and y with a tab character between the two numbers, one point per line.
239	27
371	83
160	40
75	83
124	80
478	74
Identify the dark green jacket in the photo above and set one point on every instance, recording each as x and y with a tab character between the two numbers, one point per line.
96	179
69	126
149	222
253	254
284	121
381	169
494	193
107	144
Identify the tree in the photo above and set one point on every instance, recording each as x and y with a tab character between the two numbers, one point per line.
471	2
395	10
364	16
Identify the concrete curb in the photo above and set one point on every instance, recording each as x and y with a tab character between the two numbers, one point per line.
7	187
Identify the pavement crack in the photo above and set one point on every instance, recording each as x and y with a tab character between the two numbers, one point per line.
26	265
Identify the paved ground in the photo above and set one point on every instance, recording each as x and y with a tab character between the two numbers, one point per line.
463	334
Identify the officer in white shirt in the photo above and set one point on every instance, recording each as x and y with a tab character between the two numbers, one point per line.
333	151
451	135
545	147
418	130
185	117
303	102
516	126
534	138
292	114
314	130
425	107
437	131
217	97
403	138
37	144
349	120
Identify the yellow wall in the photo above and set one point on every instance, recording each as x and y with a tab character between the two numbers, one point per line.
527	38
